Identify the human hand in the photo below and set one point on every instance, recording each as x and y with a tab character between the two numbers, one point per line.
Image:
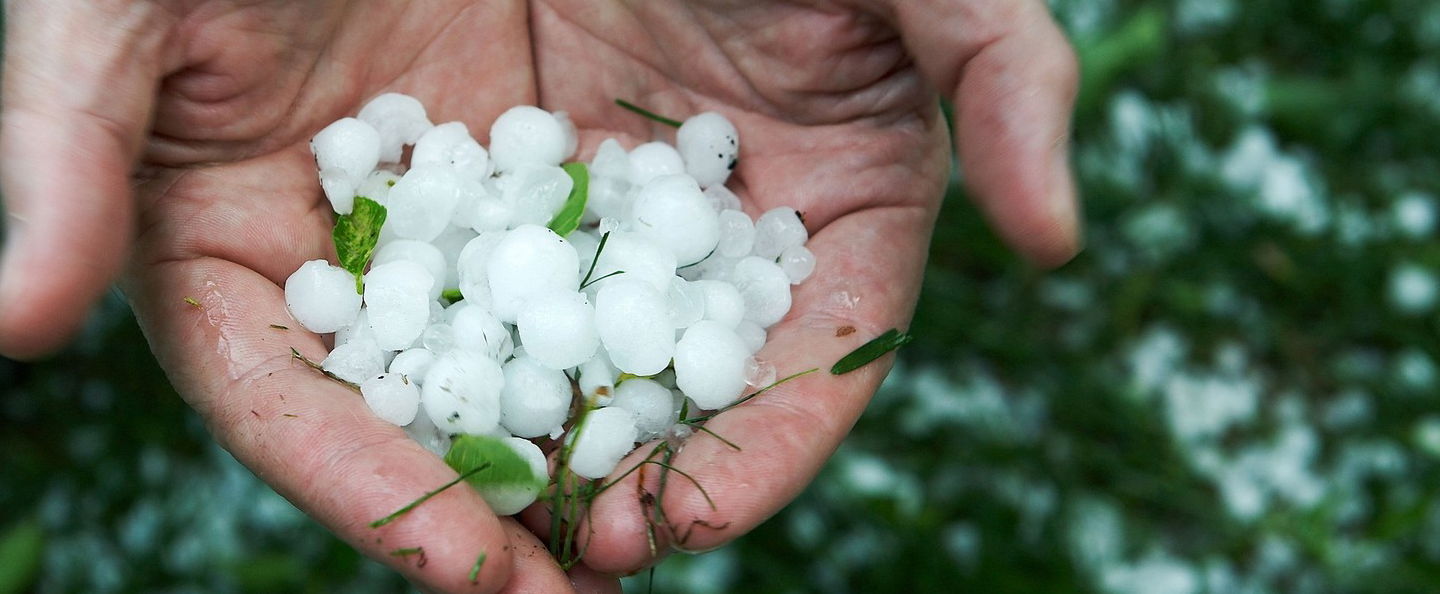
216	101
836	104
835	121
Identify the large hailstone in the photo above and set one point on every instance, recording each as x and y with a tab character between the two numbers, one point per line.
348	145
462	393
421	204
634	324
558	329
419	252
392	397
450	145
710	146
529	261
527	134
710	365
766	289
606	436
535	400
397	303
671	211
322	297
652	404
399	119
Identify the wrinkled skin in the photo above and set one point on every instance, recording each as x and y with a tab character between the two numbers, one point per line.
166	142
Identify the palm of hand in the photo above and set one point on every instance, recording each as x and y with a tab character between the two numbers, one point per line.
835	121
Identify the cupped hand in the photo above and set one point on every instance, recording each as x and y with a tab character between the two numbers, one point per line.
216	101
836	105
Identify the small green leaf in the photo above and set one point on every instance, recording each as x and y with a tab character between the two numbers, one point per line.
21	549
892	339
506	468
451	295
568	219
355	237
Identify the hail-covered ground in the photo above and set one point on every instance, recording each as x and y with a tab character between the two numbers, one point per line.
501	285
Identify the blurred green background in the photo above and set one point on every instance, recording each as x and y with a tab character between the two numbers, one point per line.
1231	390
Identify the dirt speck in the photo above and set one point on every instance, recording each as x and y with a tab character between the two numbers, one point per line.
844	331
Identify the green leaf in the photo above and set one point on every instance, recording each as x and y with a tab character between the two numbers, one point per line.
452	295
568	219
506	468
355	237
892	339
21	549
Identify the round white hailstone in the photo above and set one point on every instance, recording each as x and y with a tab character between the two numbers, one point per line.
450	243
391	397
778	229
355	361
759	373
710	146
451	145
558	329
752	334
419	252
462	392
376	187
397	303
528	261
339	189
687	302
469	192
723	302
474	265
672	212
535	192
413	364
357	330
654	159
422	202
512	498
634	324
607	435
597	379
710	365
737	234
400	120
322	297
535	400
438	338
611	161
424	432
722	199
477	330
651	403
585	244
526	134
567	127
638	258
766	290
349	145
798	263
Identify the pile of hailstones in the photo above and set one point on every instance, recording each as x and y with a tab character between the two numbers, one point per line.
679	299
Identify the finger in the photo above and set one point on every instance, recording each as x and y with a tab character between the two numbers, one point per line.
79	82
1012	76
314	441
533	570
588	581
866	281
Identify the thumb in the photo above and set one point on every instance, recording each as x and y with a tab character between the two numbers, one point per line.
1012	76
79	84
